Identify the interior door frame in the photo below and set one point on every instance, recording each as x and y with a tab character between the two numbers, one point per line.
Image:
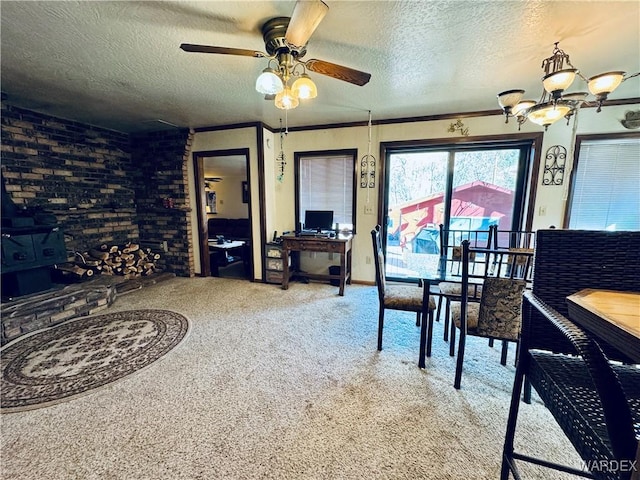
203	231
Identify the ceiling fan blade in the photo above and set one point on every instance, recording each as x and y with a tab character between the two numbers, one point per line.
305	18
338	71
188	47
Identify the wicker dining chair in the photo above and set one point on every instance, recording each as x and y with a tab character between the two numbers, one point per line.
590	388
408	298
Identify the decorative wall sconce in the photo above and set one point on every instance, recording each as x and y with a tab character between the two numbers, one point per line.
368	171
368	165
554	163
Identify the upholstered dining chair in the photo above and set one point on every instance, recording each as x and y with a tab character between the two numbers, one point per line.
408	298
497	315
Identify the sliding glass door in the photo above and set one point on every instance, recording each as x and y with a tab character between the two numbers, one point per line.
460	186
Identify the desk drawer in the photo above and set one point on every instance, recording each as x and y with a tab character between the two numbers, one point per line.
276	263
274	277
318	246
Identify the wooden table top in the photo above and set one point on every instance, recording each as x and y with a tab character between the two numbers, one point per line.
613	315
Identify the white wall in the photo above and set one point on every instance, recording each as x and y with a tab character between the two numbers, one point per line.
280	202
228	140
229	198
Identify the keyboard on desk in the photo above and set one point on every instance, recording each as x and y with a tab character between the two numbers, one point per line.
314	234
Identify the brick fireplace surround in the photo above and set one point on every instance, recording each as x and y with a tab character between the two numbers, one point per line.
102	186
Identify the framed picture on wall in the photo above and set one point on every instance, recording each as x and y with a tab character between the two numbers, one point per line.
212	206
245	192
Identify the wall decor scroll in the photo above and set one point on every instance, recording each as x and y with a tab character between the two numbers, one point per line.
368	171
554	163
368	165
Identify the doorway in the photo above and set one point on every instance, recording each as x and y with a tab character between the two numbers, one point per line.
223	199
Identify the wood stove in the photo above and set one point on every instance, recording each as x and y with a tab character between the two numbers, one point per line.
31	243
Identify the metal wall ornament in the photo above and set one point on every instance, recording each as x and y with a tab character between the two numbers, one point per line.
554	163
281	158
368	171
368	165
459	126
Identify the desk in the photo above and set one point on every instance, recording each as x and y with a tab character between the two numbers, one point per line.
610	315
340	245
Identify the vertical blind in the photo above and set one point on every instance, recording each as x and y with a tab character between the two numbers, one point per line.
326	183
606	186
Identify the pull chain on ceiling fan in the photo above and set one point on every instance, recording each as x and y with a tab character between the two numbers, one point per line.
286	43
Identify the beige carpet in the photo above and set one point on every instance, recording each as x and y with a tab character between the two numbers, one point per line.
276	384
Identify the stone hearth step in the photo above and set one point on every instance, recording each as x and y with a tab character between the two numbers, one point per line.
29	313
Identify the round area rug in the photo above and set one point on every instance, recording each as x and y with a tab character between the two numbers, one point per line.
62	362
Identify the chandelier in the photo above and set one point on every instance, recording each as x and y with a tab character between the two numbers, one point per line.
554	103
288	81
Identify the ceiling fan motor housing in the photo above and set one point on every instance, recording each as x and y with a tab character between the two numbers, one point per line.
273	34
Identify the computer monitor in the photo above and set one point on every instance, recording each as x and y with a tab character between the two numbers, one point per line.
318	220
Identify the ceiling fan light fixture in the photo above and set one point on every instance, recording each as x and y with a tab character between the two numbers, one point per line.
286	100
269	82
304	88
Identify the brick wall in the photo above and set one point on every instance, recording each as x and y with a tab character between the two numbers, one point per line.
102	186
80	173
161	160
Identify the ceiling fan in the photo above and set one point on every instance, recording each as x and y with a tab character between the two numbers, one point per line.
285	41
209	181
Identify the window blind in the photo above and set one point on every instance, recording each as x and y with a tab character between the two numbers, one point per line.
326	183
606	186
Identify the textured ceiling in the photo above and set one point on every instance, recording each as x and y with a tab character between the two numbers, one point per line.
117	64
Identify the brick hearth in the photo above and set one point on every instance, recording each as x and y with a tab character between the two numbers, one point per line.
41	310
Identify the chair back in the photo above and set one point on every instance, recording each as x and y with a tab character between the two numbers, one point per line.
499	314
567	261
506	239
378	260
451	246
500	310
450	238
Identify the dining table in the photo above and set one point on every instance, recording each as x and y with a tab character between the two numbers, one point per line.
609	315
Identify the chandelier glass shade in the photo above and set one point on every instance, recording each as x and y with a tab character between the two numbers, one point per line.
554	102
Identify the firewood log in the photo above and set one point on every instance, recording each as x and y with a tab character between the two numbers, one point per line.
75	270
98	254
131	247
